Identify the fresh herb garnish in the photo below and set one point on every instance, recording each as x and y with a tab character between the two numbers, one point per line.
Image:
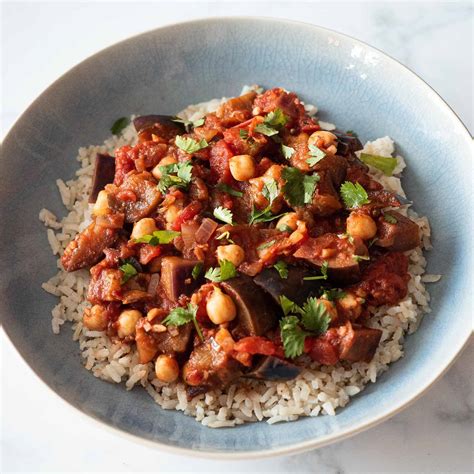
266	245
287	151
225	271
272	123
197	269
225	235
183	171
188	124
282	268
299	188
181	316
244	134
332	294
347	236
386	164
353	195
223	214
189	145
128	270
312	319
324	273
358	258
227	189
119	125
158	237
351	132
316	155
270	192
390	219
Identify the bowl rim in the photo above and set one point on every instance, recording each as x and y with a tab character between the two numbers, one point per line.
304	445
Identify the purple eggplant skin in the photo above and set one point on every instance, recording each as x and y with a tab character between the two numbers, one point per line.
104	173
272	368
346	144
176	277
147	121
293	287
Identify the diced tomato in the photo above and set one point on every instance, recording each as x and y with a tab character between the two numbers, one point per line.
123	164
148	252
220	155
321	350
256	345
187	214
127	195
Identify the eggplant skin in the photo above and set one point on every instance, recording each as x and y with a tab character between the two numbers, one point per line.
272	368
293	287
148	121
104	173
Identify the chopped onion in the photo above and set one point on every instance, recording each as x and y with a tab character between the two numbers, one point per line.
205	231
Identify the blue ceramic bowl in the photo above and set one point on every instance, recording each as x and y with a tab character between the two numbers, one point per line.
354	85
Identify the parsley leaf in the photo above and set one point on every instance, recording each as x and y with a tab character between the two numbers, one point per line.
181	316
197	269
287	151
119	125
128	270
316	155
158	237
226	271
282	268
189	145
390	219
225	188
183	176
353	195
292	336
386	164
188	124
315	317
324	273
223	215
299	188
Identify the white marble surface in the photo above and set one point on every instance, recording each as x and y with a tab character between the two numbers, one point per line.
41	433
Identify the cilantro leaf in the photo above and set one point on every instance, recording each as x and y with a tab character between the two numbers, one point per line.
264	215
287	151
225	188
244	134
390	219
183	176
324	273
119	125
282	268
270	190
332	294
299	188
315	317
180	316
288	306
351	132
223	214
358	258
272	123
189	145
266	245
225	235
353	195
158	237
386	164
292	336
128	270
226	271
188	124
197	269
265	130
316	155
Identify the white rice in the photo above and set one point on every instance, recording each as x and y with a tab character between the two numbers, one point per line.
318	390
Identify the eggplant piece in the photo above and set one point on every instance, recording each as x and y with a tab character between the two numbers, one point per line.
293	287
358	344
340	254
398	236
145	122
256	312
176	277
347	144
104	173
272	368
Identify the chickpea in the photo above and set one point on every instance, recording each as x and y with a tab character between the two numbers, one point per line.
242	167
290	221
166	368
167	160
330	308
101	206
143	227
95	318
350	304
233	253
171	213
327	141
220	307
361	225
127	321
